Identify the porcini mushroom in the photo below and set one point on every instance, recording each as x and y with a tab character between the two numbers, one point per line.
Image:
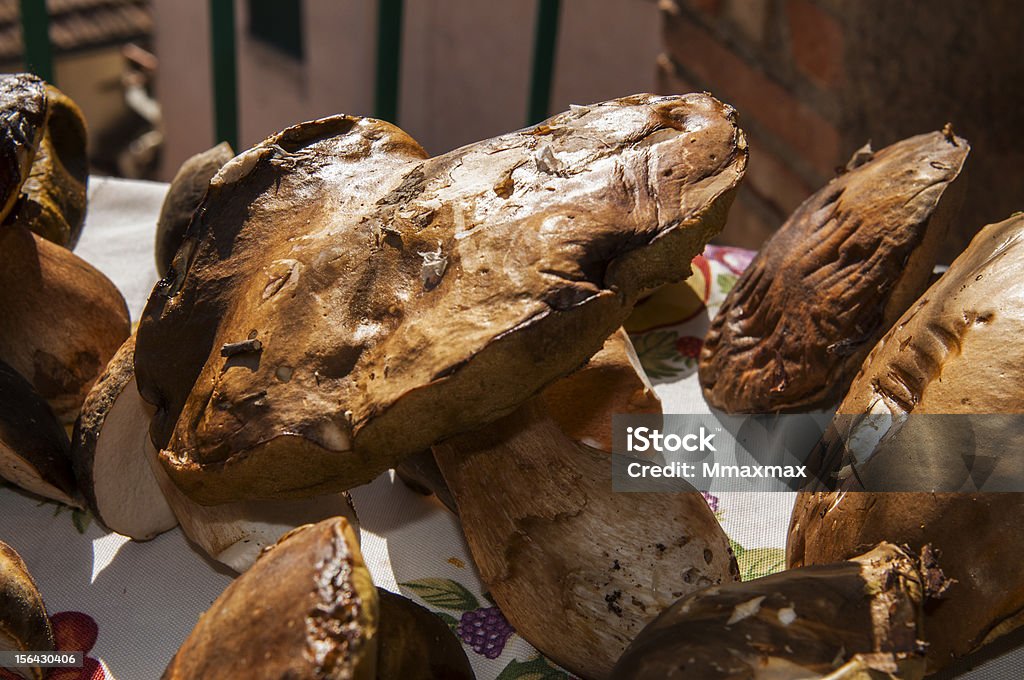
795	328
582	404
24	624
854	620
943	387
351	301
61	320
129	492
109	454
53	197
307	609
183	196
575	567
33	445
45	166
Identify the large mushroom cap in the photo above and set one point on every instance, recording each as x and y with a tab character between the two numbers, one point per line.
957	351
54	193
794	330
61	320
183	197
415	644
342	300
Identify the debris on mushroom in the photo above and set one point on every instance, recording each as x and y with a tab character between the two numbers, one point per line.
956	351
576	569
795	328
33	444
109	454
24	623
415	644
183	197
45	164
859	619
61	320
129	492
383	368
306	609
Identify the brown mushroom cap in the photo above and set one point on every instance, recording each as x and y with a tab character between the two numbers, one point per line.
108	451
956	351
351	301
24	624
415	644
33	445
795	328
61	320
183	197
855	620
22	123
307	609
53	204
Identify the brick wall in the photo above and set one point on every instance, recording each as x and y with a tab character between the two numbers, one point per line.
813	80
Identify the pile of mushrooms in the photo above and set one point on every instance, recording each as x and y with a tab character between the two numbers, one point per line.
335	303
61	320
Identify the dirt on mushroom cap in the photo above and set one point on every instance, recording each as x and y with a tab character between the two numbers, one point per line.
400	299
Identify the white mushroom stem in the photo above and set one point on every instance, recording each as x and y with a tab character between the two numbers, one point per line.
234	534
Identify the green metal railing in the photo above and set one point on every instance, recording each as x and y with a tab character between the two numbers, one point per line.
39	59
35	35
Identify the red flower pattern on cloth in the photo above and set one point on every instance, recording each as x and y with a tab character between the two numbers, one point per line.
72	632
689	346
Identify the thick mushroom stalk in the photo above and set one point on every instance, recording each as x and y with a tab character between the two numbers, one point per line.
342	301
24	624
108	450
795	328
854	620
958	350
61	319
576	568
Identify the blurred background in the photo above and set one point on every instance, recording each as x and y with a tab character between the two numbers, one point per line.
813	80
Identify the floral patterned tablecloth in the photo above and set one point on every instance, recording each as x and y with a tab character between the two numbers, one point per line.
129	605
